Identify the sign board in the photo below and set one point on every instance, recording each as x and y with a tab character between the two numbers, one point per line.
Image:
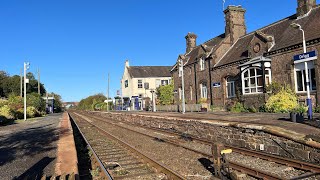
216	84
27	81
308	56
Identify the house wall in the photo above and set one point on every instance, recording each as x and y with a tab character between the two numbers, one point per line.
282	71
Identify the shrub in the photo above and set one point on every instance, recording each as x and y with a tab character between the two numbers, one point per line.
252	109
31	112
274	88
284	101
3	102
203	100
6	112
18	114
238	107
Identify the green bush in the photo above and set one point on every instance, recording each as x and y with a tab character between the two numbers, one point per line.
3	102
32	112
238	107
6	112
282	102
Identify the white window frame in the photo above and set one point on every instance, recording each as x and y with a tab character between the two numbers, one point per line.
230	88
140	83
202	64
158	82
164	84
257	89
203	91
300	67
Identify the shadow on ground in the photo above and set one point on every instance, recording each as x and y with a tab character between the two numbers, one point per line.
36	171
27	143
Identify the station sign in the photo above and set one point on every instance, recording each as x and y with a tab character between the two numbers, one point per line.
304	57
216	84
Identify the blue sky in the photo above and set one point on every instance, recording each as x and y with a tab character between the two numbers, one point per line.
75	43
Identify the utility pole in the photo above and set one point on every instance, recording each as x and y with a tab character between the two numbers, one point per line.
108	92
38	81
21	83
25	68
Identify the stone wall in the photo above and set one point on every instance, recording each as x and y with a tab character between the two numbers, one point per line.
240	137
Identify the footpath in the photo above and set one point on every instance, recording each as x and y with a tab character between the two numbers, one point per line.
37	147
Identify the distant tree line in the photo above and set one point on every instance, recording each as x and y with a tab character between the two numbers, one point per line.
94	102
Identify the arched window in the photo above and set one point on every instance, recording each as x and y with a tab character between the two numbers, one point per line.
203	90
252	81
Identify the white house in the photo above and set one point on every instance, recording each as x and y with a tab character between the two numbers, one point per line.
138	81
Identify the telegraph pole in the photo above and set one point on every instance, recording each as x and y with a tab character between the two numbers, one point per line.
38	81
21	82
182	84
108	92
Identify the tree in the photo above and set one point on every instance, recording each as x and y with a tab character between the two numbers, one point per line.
165	94
3	77
36	101
90	102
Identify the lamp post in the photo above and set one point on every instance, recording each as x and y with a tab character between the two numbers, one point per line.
153	101
182	84
309	102
25	68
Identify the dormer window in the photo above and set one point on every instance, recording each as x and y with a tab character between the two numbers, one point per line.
202	64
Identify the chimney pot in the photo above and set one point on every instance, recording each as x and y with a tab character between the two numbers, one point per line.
191	41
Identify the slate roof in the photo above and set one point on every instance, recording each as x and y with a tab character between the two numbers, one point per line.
284	36
149	71
198	51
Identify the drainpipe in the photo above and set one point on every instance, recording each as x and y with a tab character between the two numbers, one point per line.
211	100
195	82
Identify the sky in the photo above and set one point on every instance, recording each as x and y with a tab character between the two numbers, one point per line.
76	43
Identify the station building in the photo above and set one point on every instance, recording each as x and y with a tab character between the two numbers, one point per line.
236	66
138	81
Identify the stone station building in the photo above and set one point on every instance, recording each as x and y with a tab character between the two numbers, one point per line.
236	66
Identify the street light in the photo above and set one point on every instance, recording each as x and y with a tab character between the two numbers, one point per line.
26	66
309	102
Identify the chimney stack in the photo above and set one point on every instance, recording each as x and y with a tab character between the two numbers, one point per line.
191	40
127	63
235	23
304	6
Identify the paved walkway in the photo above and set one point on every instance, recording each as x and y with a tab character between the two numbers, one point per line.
29	147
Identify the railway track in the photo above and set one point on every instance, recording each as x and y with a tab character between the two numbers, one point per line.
310	168
120	159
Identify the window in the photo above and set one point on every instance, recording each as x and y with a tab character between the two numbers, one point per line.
164	82
300	77
180	93
252	81
204	90
202	64
180	71
158	82
139	83
230	88
126	83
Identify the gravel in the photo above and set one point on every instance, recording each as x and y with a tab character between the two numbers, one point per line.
28	148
